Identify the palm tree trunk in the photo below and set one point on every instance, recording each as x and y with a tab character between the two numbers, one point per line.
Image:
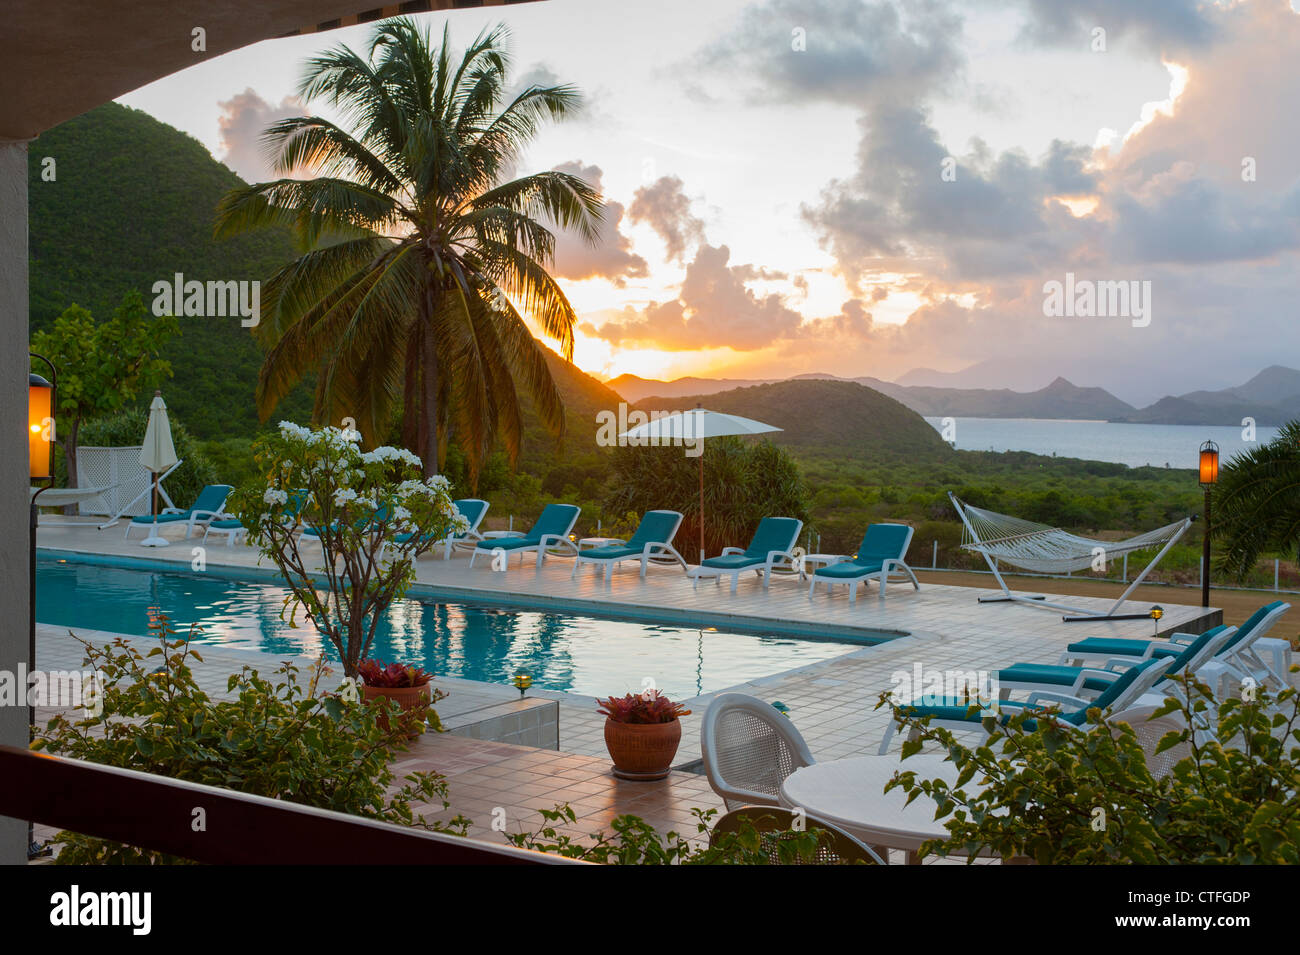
428	436
411	391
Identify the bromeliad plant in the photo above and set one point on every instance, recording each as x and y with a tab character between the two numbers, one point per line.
395	676
353	504
648	707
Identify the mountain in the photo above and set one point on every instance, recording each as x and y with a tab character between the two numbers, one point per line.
841	417
634	388
1060	399
990	374
132	203
1271	398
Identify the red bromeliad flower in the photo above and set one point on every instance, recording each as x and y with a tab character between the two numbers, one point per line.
392	676
648	707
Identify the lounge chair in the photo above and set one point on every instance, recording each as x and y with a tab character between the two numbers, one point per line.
207	506
1086	682
653	538
551	530
772	544
234	528
1239	655
311	532
749	748
879	555
472	509
1122	693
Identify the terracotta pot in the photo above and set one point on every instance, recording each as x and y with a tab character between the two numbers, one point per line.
414	701
642	750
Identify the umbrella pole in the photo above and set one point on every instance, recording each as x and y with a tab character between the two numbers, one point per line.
701	500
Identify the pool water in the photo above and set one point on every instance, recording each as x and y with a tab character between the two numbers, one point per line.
559	651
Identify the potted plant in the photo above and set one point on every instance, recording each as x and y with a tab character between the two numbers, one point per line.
407	686
642	731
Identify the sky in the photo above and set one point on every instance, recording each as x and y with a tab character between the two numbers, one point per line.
868	187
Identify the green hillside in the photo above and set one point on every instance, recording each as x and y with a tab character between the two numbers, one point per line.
132	204
840	418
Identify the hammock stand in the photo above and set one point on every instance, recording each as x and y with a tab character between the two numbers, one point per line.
1040	548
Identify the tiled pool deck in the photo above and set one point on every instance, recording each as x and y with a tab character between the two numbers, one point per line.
833	703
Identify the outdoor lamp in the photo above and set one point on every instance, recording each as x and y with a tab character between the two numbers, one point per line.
1209	464
522	682
39	405
1156	613
1209	476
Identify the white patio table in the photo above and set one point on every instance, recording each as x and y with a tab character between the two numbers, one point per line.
849	793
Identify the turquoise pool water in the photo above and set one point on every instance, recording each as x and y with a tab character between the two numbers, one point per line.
560	651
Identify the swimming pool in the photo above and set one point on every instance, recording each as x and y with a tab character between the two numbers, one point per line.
573	653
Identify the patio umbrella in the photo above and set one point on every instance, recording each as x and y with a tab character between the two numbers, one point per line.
158	454
697	424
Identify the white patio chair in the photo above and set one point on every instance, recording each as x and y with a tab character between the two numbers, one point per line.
749	749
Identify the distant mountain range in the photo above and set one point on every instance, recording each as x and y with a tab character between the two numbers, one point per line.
1271	398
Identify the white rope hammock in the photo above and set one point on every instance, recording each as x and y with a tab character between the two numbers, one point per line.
1049	550
1040	548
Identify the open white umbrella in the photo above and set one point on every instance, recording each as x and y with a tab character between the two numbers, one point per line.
697	424
158	454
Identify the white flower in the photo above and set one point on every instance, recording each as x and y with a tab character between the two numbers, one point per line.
438	481
290	430
343	495
401	514
272	496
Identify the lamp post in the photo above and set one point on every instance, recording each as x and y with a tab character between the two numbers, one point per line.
40	456
1209	476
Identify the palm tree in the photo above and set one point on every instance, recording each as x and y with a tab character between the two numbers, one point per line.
418	258
1258	506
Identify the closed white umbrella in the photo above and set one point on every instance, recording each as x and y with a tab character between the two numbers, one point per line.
158	454
698	423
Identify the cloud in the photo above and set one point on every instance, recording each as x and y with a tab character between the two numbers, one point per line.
243	119
665	208
611	257
1165	25
833	51
714	309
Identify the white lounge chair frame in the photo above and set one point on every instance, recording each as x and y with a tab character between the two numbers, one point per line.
889	567
774	557
1017	550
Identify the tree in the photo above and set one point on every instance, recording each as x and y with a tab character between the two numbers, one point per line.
1257	507
102	367
419	260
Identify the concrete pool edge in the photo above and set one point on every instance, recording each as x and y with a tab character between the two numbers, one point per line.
858	637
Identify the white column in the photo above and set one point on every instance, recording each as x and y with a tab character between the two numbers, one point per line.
14	575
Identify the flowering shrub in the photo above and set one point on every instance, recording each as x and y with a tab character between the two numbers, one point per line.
393	676
354	503
648	707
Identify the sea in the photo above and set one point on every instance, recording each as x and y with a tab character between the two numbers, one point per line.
1137	445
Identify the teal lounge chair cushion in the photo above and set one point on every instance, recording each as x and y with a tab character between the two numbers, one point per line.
774	533
848	569
160	518
556	519
883	542
1050	675
612	552
210	500
656	527
734	561
226	524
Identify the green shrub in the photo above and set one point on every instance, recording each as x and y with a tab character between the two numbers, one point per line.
282	739
1057	795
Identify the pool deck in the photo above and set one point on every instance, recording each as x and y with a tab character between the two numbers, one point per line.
833	703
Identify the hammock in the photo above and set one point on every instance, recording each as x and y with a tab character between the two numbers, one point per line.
1040	548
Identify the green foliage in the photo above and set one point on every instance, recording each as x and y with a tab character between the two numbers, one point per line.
635	842
1257	504
743	483
281	737
102	366
127	430
356	504
1045	790
133	205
